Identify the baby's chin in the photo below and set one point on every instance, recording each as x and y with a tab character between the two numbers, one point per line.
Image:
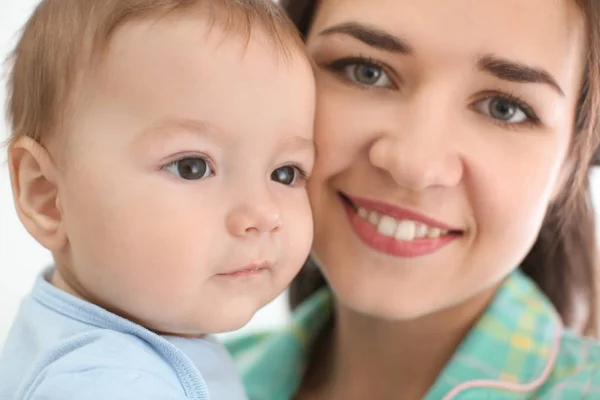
221	318
235	315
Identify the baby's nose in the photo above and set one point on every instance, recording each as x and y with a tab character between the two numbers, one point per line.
254	220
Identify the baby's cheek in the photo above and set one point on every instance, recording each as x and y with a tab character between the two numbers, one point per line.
302	219
299	236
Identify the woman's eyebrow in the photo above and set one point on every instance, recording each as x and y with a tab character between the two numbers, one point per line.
501	68
371	36
513	71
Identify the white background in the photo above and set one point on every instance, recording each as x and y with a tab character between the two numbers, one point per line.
21	258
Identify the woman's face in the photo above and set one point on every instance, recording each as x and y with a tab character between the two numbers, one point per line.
443	129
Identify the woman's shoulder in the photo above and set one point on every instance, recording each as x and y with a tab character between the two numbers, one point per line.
576	353
576	371
519	349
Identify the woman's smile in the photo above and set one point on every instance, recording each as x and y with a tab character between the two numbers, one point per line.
395	230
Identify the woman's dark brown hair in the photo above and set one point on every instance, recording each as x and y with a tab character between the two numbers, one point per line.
563	259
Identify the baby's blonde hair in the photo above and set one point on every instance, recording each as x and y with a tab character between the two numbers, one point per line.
63	37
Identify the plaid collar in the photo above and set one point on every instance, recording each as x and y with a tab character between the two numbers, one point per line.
513	347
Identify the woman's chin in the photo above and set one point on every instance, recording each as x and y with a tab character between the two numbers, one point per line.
388	305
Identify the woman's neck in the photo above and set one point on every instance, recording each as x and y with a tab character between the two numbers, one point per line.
377	359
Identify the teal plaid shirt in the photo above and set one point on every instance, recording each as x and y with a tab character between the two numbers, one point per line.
517	350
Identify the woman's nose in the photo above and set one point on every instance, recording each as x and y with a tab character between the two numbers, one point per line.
418	159
254	219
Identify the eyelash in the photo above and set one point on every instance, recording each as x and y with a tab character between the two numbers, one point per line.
303	175
532	118
339	65
180	158
301	171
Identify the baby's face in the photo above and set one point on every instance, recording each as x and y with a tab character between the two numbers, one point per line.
183	192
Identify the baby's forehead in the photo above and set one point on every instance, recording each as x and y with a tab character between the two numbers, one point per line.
178	35
215	26
177	67
150	53
174	56
47	88
156	71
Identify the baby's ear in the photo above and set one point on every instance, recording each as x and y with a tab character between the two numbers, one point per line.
35	192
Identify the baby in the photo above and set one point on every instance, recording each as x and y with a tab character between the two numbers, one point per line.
160	151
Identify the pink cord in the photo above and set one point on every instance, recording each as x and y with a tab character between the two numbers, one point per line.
515	387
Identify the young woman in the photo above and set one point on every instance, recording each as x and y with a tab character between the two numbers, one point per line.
453	224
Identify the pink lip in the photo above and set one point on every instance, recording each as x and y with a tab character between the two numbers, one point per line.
398	212
248	271
369	235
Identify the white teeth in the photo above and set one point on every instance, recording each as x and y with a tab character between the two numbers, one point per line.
406	230
387	226
373	218
434	233
421	231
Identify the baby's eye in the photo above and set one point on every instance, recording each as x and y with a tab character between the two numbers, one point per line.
287	175
505	110
190	168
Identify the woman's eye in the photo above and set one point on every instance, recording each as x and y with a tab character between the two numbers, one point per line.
190	168
367	74
503	110
287	175
362	71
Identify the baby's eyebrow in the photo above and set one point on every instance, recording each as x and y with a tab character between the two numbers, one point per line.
171	125
297	143
177	126
172	128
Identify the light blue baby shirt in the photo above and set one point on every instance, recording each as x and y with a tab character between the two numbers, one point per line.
64	348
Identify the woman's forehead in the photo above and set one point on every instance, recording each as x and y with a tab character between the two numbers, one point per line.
542	33
562	14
